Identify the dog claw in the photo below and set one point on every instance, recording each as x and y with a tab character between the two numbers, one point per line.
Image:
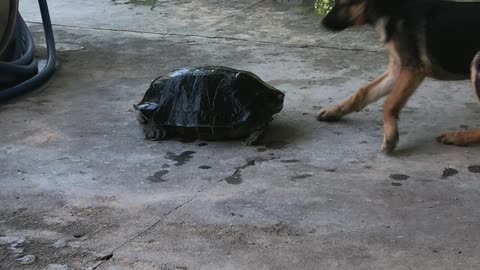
388	148
390	144
328	115
442	139
451	138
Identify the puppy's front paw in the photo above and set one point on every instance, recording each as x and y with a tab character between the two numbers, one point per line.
452	138
329	115
390	143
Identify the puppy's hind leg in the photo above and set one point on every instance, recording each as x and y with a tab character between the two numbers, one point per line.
369	93
462	138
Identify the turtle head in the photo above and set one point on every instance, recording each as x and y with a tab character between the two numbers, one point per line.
274	99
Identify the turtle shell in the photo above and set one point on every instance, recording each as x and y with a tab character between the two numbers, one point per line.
210	97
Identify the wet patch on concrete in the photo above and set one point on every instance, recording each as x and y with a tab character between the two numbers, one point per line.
104	257
301	176
289	161
78	235
158	177
399	177
181	159
236	178
249	163
474	169
447	172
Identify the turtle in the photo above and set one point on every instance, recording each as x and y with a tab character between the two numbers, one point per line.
209	103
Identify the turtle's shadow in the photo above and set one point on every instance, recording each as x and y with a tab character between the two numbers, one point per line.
280	134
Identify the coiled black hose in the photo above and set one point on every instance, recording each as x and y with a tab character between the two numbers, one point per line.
21	73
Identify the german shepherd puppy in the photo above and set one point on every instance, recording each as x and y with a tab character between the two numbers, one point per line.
424	38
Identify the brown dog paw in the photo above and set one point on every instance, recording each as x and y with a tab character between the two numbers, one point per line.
390	143
452	138
329	115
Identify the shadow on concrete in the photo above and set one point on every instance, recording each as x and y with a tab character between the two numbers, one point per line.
282	133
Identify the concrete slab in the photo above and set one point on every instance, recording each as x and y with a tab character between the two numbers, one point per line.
80	188
260	21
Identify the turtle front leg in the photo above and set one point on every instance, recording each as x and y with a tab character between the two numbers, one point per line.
255	136
154	133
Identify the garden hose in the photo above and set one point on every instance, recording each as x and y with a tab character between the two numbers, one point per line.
19	72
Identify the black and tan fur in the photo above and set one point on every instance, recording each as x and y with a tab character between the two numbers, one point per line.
424	38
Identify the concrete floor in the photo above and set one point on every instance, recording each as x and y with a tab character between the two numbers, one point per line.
81	189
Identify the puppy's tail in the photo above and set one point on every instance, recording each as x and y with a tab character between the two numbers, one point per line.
475	74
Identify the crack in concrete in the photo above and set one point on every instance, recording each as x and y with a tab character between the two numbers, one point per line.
110	255
214	37
151	227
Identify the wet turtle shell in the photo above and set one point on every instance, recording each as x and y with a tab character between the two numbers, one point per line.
209	103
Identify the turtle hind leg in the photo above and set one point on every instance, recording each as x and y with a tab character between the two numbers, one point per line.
255	137
154	133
